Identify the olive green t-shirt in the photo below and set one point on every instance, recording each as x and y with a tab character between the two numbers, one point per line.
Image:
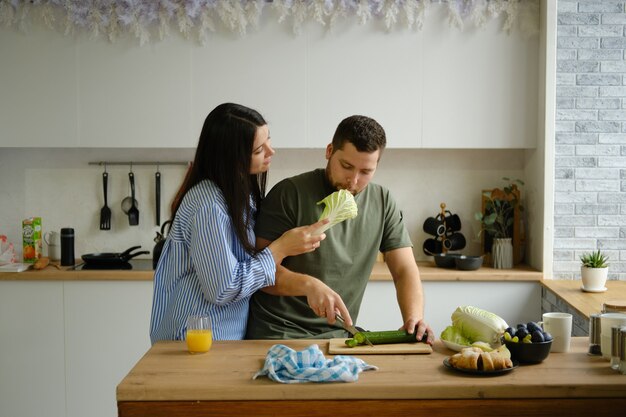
343	261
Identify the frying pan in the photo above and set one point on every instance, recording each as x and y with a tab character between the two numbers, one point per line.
110	258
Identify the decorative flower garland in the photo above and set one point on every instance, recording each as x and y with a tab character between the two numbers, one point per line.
142	17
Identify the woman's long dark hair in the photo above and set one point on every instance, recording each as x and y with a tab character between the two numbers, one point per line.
223	156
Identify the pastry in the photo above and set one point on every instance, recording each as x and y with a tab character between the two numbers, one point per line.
467	358
487	362
473	358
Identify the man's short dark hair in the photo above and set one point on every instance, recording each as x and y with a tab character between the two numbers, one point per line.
365	133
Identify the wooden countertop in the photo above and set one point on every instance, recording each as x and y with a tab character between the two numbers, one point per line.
64	273
586	303
380	272
168	373
168	381
430	272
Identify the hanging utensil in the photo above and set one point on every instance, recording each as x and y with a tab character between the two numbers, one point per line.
105	211
133	212
157	182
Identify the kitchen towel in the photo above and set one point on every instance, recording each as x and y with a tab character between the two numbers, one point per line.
285	365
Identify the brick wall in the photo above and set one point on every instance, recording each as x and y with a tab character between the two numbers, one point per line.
590	147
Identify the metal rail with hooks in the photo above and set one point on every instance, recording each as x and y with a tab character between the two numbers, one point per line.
131	163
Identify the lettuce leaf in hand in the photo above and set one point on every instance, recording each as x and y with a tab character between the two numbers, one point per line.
339	206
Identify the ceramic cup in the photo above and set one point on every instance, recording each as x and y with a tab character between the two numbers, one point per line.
607	321
434	226
455	241
53	240
559	325
453	222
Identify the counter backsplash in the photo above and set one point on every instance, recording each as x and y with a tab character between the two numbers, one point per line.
59	186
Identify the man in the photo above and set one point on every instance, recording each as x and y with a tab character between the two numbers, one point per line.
345	259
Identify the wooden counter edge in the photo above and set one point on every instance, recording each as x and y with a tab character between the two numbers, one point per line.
380	272
375	408
430	272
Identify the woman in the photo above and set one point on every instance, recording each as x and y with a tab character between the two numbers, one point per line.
209	263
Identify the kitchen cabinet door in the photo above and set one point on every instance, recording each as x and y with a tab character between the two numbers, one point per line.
132	96
515	302
264	70
32	360
360	69
38	89
107	331
480	86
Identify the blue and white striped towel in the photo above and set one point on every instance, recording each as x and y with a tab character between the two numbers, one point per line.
283	364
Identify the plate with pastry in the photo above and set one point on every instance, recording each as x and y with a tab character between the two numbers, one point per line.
473	360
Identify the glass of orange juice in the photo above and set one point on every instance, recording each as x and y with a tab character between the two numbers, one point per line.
199	334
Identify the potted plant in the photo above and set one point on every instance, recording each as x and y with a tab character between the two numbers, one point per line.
594	271
498	220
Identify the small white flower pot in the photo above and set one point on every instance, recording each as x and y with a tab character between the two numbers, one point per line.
594	279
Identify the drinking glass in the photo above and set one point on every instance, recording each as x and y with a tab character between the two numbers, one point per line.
199	334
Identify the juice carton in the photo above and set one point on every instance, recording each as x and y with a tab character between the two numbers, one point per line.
31	239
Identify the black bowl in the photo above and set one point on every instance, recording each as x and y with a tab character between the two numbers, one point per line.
529	352
468	263
446	260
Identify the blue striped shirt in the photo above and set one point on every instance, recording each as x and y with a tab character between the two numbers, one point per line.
204	269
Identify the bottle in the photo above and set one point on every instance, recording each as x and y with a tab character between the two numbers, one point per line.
615	341
594	335
622	351
67	246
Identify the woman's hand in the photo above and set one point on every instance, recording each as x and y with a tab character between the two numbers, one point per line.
297	241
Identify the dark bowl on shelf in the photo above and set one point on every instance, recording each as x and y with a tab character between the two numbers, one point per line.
468	263
446	260
529	352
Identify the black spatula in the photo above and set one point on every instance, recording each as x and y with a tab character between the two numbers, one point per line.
105	211
133	212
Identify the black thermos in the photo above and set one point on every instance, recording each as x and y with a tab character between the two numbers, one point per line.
67	246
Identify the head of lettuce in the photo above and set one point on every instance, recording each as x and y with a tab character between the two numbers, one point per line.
338	206
472	324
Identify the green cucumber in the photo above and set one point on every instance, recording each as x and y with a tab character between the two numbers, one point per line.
386	337
383	337
351	343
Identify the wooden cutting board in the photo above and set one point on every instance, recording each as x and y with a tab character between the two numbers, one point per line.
338	347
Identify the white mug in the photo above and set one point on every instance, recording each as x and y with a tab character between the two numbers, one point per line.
53	239
559	325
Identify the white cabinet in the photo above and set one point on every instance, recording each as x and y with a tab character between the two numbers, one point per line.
265	70
363	70
133	96
66	345
32	357
435	88
38	89
516	302
107	332
480	87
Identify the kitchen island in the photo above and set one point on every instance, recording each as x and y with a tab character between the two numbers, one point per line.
168	381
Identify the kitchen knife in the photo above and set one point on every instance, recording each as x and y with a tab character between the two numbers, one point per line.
350	329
